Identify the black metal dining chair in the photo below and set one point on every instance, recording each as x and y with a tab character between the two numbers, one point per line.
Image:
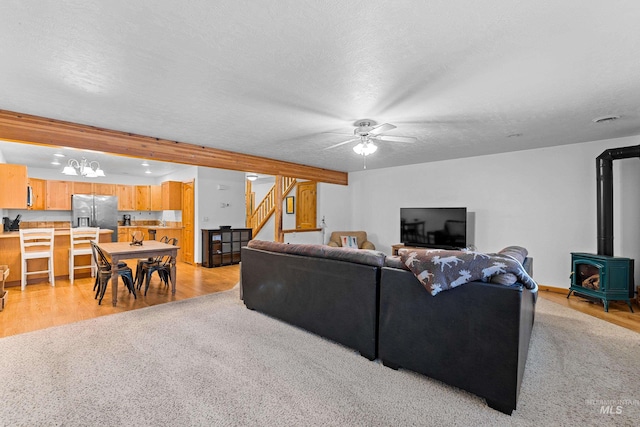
163	267
103	274
143	262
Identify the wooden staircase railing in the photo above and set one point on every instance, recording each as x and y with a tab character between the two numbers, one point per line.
267	206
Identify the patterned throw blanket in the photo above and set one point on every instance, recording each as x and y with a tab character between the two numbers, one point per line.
441	270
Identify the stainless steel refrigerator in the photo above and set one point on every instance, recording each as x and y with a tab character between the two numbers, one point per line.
95	211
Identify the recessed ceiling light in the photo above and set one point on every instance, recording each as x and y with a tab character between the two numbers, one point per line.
55	162
605	119
147	171
145	164
59	155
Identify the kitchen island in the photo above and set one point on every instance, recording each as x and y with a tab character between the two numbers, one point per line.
10	255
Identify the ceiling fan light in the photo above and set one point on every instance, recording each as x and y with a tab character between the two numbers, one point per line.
365	149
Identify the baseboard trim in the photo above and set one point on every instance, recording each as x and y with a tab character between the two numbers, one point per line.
545	288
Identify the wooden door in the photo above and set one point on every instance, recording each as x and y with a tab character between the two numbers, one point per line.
188	209
306	204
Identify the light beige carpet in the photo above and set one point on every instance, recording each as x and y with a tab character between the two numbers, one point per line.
210	361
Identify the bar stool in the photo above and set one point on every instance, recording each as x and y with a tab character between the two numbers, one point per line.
36	243
81	238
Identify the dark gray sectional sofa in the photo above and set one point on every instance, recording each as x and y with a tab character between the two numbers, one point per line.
332	292
475	337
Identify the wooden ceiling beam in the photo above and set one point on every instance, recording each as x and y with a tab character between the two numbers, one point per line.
40	130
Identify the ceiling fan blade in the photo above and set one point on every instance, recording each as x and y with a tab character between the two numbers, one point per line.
381	128
408	139
342	143
338	133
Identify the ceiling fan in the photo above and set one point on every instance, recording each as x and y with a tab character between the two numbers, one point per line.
366	132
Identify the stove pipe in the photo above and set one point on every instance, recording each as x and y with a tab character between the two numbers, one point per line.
604	178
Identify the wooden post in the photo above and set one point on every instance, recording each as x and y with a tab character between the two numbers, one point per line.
278	234
248	203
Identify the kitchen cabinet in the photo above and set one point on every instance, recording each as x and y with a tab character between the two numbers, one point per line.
155	197
145	232
13	186
142	197
124	233
104	189
38	191
82	187
58	195
126	197
171	233
171	195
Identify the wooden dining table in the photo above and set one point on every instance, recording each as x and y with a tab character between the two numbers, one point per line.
118	251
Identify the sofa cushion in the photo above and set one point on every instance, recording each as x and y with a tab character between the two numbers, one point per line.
519	254
359	256
394	261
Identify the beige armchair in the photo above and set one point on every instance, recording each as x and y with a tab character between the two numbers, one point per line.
361	238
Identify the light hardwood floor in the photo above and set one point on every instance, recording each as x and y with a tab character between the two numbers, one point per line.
41	305
618	314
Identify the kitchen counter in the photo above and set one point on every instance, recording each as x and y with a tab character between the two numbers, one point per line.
10	255
58	232
150	227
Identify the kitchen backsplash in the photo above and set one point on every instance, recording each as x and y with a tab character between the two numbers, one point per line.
67	224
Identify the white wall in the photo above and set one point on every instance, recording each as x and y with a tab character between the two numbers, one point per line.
334	205
55	174
216	207
544	200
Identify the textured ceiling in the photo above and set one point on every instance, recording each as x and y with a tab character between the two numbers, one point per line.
285	79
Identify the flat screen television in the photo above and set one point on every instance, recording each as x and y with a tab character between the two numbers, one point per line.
439	228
